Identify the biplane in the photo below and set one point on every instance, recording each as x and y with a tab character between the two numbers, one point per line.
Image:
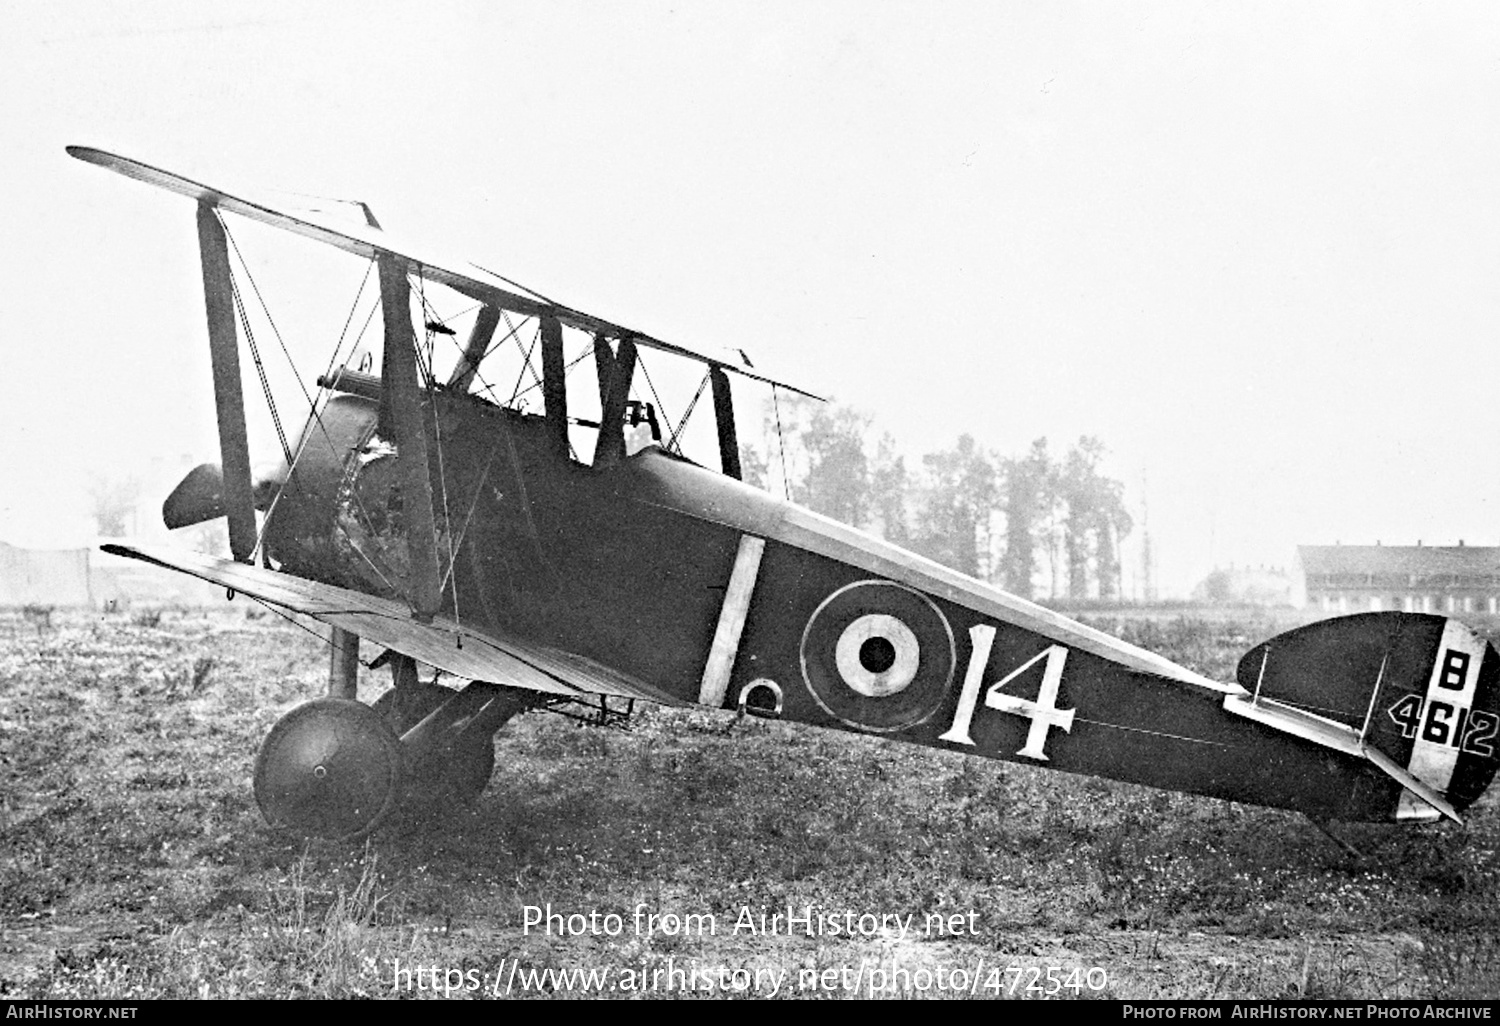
444	526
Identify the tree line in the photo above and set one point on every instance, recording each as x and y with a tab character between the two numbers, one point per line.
1037	522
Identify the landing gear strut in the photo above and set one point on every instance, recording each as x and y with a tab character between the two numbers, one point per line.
336	768
455	772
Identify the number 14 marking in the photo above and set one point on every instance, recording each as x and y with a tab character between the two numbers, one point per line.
1043	713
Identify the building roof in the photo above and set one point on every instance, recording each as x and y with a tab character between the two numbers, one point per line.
1424	560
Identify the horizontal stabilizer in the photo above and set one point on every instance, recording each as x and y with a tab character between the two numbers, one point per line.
1297	722
444	644
1416	694
1339	738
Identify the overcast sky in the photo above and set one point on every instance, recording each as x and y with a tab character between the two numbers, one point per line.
1254	248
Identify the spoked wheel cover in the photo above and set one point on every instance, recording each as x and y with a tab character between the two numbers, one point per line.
329	768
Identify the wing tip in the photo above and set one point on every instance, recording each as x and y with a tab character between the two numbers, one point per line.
87	154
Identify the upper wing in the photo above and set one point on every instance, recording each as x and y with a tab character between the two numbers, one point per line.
449	646
460	275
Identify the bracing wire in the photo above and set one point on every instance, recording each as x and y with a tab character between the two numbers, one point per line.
269	320
430	312
526	357
661	407
464	530
478	376
517	391
314	416
260	368
296	374
353	309
692	405
429	315
298	624
422	301
437	427
786	481
514	329
570	365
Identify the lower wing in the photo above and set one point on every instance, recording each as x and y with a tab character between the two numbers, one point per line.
443	643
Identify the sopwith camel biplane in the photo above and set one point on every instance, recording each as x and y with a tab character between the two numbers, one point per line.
559	560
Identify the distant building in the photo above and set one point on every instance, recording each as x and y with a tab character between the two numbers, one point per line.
1245	586
1412	578
90	578
49	577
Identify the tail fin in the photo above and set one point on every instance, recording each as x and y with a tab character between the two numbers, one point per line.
1416	695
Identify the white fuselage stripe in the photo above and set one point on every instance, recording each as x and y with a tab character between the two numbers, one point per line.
726	643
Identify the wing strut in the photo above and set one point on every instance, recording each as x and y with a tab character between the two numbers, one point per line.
401	409
462	378
343	664
614	391
555	385
729	444
229	398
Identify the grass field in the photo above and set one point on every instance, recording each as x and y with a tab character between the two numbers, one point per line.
133	861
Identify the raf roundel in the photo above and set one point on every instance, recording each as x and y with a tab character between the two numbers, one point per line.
878	656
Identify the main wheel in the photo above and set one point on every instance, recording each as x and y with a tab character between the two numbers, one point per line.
330	768
456	775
